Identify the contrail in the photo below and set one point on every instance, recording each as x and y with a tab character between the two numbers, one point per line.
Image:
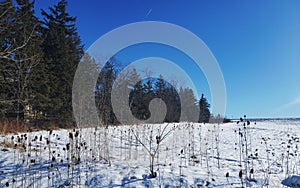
150	10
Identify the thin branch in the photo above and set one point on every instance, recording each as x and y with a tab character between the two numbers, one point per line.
139	140
7	52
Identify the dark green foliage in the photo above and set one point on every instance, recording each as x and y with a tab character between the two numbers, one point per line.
170	96
204	114
146	90
137	101
8	17
189	104
103	92
39	59
38	62
30	56
20	53
226	120
62	53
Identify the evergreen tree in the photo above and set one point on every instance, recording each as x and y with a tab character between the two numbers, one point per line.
173	103
29	29
8	19
160	87
137	101
20	53
189	104
84	101
132	78
122	87
7	47
148	95
104	86
63	51
169	95
204	114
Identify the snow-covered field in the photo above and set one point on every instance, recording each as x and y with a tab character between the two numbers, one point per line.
184	155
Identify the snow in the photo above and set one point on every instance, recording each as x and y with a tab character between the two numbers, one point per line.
190	155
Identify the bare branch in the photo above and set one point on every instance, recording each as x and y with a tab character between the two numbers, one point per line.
3	4
8	52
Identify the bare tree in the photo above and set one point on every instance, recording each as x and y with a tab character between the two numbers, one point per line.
152	144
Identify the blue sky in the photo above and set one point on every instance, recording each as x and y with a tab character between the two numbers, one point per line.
256	43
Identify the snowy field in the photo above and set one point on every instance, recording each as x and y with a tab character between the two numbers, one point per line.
182	154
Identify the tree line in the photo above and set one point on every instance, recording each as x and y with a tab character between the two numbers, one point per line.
144	91
38	61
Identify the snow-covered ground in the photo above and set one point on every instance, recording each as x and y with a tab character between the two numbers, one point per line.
185	155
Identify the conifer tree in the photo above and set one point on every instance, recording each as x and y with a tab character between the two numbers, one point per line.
189	104
29	29
104	86
204	114
63	51
7	47
19	54
137	101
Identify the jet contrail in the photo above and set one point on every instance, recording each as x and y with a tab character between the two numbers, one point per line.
150	10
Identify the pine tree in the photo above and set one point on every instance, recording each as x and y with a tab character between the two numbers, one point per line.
136	93
84	101
204	114
7	47
103	91
137	101
122	86
148	95
173	103
29	29
189	104
170	96
160	87
20	53
63	51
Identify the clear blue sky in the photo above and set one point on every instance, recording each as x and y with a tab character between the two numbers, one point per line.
256	43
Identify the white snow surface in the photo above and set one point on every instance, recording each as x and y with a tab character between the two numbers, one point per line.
190	155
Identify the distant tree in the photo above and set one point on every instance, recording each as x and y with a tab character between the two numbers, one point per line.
204	114
148	95
150	88
135	101
104	87
169	94
160	86
189	104
138	101
84	101
121	90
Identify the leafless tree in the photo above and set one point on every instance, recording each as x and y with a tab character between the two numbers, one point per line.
152	144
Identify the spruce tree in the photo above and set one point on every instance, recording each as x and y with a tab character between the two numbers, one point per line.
63	51
28	57
170	96
104	86
19	54
160	87
137	101
173	103
204	114
84	101
189	104
7	47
